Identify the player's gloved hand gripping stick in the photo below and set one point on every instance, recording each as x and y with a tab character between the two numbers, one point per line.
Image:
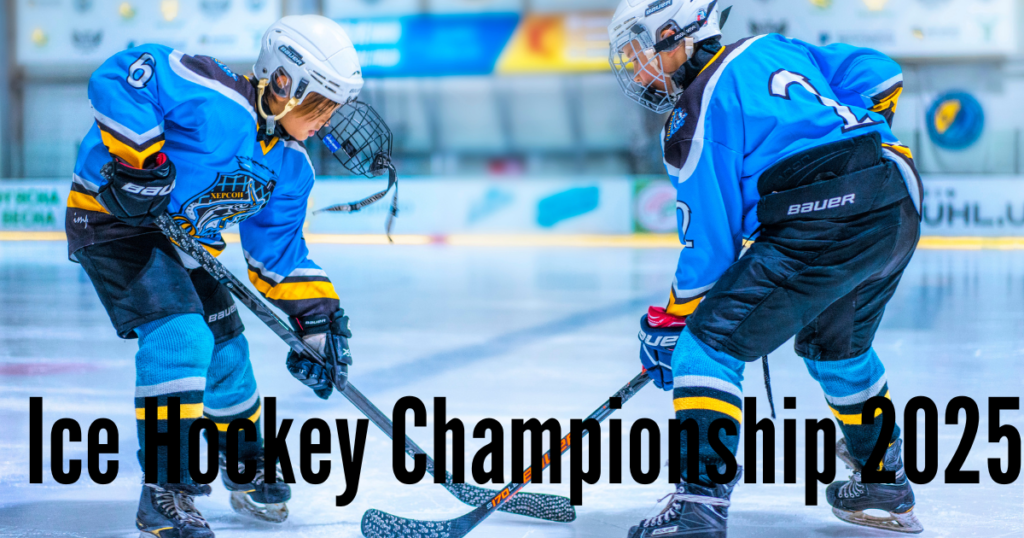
379	524
542	506
659	332
329	334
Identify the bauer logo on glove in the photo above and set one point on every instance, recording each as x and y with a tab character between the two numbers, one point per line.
329	336
659	333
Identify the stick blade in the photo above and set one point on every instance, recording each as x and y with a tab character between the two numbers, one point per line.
537	505
379	524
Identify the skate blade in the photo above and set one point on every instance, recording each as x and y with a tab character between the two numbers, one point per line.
906	522
272	513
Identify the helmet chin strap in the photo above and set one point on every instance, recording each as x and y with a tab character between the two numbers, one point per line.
271	119
670	86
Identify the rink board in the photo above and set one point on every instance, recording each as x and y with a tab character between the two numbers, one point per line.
446	209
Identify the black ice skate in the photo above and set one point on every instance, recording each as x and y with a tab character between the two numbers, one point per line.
693	511
849	499
166	511
258	499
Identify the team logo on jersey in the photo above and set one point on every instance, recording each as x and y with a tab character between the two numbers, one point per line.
655	7
227	70
676	123
232	198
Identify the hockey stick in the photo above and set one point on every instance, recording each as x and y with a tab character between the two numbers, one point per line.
541	506
379	524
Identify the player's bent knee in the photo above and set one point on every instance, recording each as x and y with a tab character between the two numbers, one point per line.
182	340
695	358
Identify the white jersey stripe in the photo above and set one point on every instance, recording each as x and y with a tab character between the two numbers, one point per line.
85	183
909	176
873	92
262	268
697	144
114	125
191	76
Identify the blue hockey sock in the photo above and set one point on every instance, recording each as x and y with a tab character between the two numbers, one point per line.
174	355
847	385
231	393
707	388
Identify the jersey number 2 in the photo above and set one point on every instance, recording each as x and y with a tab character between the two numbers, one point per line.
684	223
779	86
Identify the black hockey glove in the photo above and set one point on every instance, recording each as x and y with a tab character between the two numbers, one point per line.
328	335
137	196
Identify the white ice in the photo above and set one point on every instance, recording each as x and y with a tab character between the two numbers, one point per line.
502	333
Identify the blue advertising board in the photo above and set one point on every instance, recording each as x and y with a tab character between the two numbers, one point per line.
431	45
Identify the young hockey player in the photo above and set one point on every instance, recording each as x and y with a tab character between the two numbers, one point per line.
185	135
798	212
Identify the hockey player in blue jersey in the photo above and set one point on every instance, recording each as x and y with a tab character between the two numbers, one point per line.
184	135
798	211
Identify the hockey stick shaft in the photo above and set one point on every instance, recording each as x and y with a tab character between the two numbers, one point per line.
378	524
550	507
601	413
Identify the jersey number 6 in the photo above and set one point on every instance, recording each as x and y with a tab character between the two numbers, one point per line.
779	86
141	71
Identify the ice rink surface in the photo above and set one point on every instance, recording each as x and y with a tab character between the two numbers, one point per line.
502	333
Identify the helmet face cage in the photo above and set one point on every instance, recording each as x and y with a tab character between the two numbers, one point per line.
358	137
634	60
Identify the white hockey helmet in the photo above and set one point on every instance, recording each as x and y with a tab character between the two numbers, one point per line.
636	44
304	54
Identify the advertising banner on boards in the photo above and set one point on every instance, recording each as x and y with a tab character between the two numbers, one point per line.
973	206
899	28
953	206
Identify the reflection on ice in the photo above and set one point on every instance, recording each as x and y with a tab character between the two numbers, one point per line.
505	334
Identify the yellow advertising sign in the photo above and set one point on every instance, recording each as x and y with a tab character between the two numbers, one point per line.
576	42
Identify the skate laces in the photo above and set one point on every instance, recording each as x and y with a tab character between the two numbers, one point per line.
675	506
179	506
853	488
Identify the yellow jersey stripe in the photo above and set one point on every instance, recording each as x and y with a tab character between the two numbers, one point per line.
891	101
902	150
127	153
293	291
268	146
682	309
703	403
713	59
80	200
187	411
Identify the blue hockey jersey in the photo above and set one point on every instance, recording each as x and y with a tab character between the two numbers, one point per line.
193	108
755	103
